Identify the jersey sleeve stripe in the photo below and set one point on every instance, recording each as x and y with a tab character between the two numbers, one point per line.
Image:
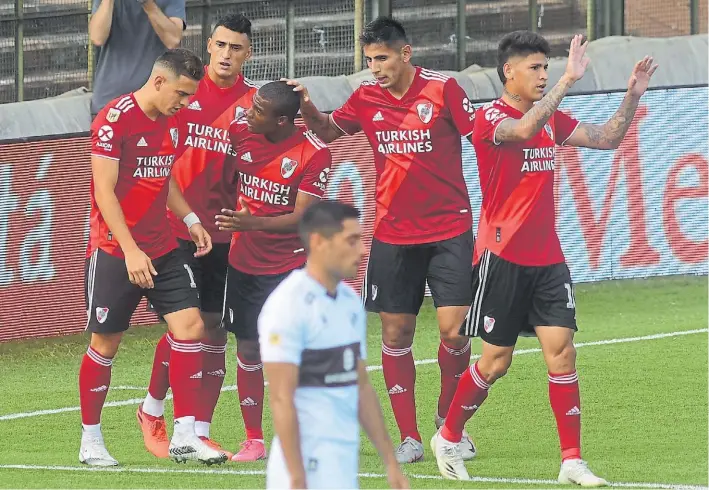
332	120
121	104
434	79
314	140
105	156
249	83
433	75
309	193
571	133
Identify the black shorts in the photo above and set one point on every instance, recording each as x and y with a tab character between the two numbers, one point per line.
111	299
244	296
511	299
397	274
209	274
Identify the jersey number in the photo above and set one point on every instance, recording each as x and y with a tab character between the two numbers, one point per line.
570	292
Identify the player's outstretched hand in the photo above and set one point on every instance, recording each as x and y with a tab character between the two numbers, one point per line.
140	269
231	220
298	87
578	61
396	478
202	239
640	78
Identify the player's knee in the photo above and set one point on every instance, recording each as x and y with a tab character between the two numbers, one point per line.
248	351
563	359
494	368
106	344
452	338
215	336
398	330
186	324
212	322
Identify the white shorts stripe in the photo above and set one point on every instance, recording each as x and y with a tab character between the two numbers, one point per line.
226	283
90	285
476	307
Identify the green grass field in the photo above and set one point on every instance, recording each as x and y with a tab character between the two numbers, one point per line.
644	402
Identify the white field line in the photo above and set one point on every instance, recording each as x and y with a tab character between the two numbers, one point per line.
136	401
478	479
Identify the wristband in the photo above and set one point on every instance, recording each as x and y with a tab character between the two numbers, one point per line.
190	219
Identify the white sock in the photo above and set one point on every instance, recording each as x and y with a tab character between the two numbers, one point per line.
184	426
153	407
91	430
202	429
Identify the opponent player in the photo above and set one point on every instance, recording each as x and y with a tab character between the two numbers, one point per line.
132	252
222	96
522	282
315	358
413	118
280	170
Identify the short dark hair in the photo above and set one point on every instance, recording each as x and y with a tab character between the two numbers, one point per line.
325	217
383	30
519	43
181	62
285	102
236	23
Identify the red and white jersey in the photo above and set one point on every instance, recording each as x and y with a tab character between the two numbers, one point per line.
517	216
204	146
269	177
421	193
145	150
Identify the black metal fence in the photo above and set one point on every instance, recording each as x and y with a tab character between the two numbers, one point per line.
44	47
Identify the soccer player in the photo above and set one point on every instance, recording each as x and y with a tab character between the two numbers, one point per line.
222	96
522	282
315	361
280	170
132	252
414	119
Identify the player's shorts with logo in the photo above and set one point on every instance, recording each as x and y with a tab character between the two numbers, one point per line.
244	297
209	274
111	299
510	300
397	274
328	464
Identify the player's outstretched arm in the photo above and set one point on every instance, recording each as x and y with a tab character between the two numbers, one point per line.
178	205
168	29
100	23
372	421
105	175
608	136
318	122
534	120
282	382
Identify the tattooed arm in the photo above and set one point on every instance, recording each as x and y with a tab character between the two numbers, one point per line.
609	135
534	120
